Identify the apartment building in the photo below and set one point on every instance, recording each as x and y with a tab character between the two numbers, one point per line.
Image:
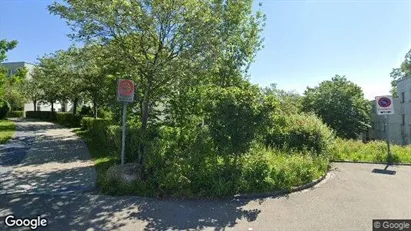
399	123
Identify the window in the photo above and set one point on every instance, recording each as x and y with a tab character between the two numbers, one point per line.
402	97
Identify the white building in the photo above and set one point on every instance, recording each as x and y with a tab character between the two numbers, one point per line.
29	106
399	123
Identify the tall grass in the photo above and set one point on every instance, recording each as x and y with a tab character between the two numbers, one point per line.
374	151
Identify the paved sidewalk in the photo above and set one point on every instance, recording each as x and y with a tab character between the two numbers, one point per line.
44	158
348	200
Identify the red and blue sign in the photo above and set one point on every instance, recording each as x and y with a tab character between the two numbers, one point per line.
384	102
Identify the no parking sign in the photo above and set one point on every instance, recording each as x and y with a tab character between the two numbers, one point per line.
384	105
125	90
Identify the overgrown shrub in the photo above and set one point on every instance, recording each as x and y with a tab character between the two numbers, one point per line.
86	111
16	114
68	119
4	109
300	132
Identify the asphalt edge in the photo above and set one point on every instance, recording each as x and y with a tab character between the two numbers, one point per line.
283	192
367	162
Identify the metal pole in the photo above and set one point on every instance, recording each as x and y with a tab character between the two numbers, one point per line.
387	131
123	141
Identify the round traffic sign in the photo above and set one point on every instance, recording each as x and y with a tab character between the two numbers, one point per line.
126	87
384	102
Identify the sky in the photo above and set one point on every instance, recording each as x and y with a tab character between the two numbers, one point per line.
305	42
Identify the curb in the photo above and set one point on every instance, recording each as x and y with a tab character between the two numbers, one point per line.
282	192
365	162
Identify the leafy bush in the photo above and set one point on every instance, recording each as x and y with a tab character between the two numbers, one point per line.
42	115
17	114
62	118
4	109
86	111
94	125
68	119
300	132
236	116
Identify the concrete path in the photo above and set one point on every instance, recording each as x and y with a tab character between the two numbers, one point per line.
44	158
349	199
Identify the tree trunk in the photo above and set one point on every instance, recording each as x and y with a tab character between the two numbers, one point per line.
143	129
52	106
35	105
95	109
75	102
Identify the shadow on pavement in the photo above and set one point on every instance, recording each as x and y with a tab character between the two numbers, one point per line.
81	212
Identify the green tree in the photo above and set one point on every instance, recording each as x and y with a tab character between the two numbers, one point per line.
160	38
50	77
290	101
341	105
400	73
5	46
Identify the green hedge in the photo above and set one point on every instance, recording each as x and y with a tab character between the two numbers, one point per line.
42	115
68	119
63	118
15	114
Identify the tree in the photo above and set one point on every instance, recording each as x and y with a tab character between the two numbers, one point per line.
158	38
403	72
341	105
290	101
5	46
31	90
50	75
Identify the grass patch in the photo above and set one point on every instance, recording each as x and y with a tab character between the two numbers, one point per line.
7	130
374	151
103	158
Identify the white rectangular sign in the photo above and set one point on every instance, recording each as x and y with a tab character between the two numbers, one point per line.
125	90
384	105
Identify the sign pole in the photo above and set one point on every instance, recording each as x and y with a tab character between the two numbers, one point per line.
123	140
387	135
125	94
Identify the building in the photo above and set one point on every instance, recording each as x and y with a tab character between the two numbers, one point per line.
12	67
400	122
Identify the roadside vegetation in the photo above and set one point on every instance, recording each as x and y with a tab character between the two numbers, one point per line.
7	130
373	151
198	127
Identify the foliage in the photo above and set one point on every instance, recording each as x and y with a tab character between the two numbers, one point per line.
158	44
5	46
7	129
42	115
341	105
290	102
4	109
86	111
68	119
374	151
404	72
228	110
18	114
300	132
92	124
195	170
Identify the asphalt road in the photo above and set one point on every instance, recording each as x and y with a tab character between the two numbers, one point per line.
348	199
